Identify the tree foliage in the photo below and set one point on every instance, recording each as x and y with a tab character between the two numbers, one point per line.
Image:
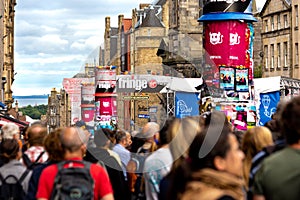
34	112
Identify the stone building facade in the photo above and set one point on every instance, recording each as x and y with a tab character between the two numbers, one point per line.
59	110
280	38
8	50
165	38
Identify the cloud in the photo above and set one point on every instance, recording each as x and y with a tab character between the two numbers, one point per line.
54	39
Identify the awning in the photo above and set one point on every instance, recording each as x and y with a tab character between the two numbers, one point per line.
5	119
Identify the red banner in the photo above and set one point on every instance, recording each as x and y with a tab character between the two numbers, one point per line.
226	43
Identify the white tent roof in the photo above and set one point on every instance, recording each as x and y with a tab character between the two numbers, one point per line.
182	85
265	85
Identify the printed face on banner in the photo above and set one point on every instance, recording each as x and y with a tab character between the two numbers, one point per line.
227	78
241	80
106	106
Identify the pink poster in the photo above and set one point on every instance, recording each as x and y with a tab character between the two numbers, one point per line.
87	114
108	106
226	43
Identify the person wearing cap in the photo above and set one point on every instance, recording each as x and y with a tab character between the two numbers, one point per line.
150	133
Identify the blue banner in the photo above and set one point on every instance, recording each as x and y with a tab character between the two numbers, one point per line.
186	104
267	107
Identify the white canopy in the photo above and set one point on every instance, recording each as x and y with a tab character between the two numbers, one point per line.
182	85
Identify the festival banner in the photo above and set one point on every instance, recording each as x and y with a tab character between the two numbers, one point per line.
226	43
186	104
267	107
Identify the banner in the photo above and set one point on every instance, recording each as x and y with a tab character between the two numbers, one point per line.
267	107
226	43
186	104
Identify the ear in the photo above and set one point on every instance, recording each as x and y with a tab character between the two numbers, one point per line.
219	163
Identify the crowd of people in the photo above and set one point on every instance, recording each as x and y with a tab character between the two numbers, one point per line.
196	157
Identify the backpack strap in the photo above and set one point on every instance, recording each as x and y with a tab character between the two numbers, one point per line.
24	175
41	154
21	179
61	164
1	178
26	160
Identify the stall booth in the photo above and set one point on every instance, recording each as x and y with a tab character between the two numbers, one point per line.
269	91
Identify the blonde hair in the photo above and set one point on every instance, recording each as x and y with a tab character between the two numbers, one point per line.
9	130
181	134
254	140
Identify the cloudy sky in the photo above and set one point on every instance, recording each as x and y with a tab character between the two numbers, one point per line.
55	38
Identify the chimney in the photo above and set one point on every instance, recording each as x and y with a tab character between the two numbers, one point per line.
107	27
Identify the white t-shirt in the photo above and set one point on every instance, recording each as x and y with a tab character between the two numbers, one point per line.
157	165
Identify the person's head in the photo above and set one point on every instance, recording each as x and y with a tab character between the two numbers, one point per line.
103	137
121	138
128	139
181	134
151	131
53	146
254	140
10	131
74	141
36	134
290	121
216	147
10	150
164	136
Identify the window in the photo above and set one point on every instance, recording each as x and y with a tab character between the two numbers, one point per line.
272	56
278	21
266	56
272	23
285	21
296	54
285	53
296	16
278	55
266	25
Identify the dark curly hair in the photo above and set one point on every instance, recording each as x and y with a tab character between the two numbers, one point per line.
290	121
9	149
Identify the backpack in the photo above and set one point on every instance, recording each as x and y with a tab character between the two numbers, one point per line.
135	176
11	187
29	164
74	183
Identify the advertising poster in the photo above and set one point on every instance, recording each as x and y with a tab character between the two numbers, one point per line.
104	74
241	80
106	106
227	78
241	120
88	94
73	88
186	104
226	43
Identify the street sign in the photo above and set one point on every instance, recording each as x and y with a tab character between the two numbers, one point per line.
135	97
143	116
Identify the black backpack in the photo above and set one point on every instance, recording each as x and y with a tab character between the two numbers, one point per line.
74	183
138	183
31	165
11	187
